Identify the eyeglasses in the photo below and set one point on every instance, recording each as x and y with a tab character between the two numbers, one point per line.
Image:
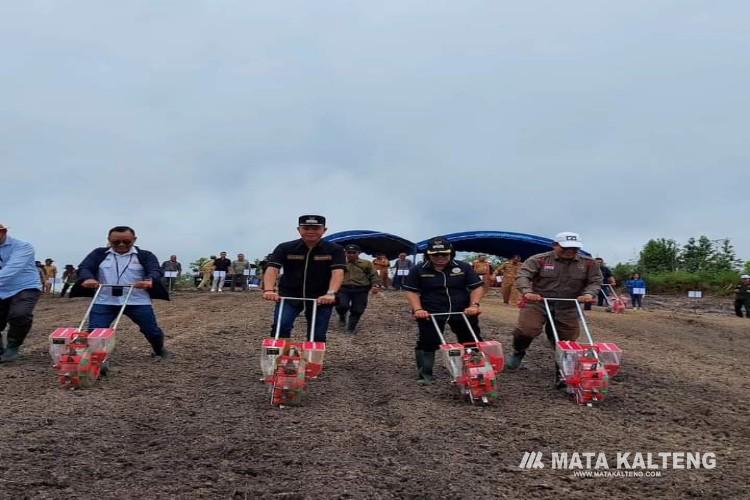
121	242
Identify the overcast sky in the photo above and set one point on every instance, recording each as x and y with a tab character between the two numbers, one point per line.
211	125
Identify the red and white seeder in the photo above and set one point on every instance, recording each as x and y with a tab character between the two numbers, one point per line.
616	303
288	366
80	356
585	368
473	366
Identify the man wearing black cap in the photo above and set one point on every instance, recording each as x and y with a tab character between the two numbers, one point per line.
359	278
441	284
313	269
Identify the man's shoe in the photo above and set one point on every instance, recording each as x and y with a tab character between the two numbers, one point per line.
514	362
10	354
163	356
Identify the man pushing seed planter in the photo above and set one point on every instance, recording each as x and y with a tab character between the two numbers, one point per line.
560	274
313	269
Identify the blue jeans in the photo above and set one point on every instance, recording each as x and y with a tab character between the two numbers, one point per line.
292	308
102	316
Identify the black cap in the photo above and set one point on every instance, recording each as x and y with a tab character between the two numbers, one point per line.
439	245
352	248
312	220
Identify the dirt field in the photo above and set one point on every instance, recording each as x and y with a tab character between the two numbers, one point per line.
202	426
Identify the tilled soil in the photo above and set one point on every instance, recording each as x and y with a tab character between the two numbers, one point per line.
202	426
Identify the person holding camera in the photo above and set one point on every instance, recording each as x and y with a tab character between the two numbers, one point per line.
123	263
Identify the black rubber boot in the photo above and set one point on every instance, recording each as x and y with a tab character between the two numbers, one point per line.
520	344
419	356
428	362
10	354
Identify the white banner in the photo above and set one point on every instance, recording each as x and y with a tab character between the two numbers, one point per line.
170	274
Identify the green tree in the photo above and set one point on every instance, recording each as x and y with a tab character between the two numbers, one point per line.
747	267
659	255
725	258
698	255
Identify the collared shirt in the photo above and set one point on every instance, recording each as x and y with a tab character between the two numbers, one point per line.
122	269
402	264
554	277
443	291
360	273
169	265
742	292
18	270
238	266
50	271
509	270
222	264
307	271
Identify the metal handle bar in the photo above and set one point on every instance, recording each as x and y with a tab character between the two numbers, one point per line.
99	287
437	327
312	320
612	290
581	317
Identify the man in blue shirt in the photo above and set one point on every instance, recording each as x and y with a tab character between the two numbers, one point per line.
19	292
123	263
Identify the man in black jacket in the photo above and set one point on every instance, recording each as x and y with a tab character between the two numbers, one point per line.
122	263
313	269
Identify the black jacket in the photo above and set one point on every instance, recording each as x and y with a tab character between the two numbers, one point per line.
307	271
443	291
89	269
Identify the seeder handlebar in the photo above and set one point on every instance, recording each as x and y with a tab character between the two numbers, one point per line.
581	317
99	287
312	320
440	333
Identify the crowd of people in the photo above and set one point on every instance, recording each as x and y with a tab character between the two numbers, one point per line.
334	278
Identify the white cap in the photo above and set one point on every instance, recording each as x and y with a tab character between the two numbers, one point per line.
745	277
568	240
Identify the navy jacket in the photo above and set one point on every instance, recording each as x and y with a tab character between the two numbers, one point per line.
89	269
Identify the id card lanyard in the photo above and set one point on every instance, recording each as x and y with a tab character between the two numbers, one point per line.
117	267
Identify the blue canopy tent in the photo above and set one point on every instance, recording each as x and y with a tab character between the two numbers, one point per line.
374	242
499	243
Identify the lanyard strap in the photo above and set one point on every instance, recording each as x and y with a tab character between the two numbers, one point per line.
117	267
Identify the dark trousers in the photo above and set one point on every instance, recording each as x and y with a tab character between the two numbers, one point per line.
65	288
17	312
636	300
352	300
739	304
398	281
428	339
292	308
102	316
239	281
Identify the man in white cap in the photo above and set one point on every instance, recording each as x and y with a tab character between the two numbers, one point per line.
562	273
19	292
742	296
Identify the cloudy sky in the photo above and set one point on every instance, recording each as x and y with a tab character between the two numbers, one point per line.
211	125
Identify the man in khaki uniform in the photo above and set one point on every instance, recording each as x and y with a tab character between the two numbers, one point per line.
509	271
561	273
359	278
50	272
207	271
382	264
483	268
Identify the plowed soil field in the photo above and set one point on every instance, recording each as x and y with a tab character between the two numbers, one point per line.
201	426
